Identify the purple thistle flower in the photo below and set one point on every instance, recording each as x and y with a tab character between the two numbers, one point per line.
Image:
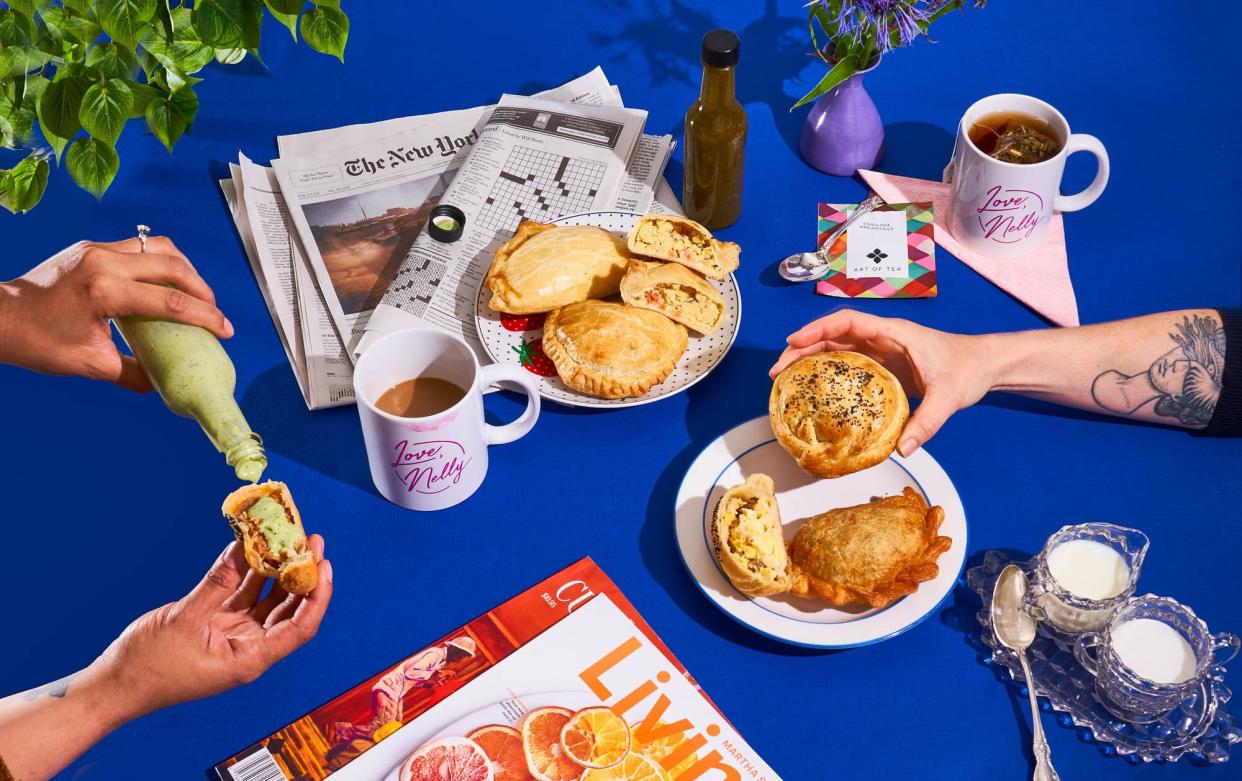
855	18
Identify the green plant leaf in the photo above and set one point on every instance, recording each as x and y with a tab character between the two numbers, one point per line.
16	61
8	139
81	6
326	30
187	55
26	7
287	18
105	108
143	95
846	66
56	142
93	164
70	25
32	90
113	60
230	56
25	184
225	24
15	29
166	121
19	121
163	20
175	80
59	106
328	3
124	20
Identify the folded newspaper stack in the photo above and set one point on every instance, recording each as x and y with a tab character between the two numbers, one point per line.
334	228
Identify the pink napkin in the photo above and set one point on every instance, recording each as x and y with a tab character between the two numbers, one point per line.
1040	280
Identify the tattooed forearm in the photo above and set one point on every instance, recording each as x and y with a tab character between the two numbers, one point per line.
1183	384
56	689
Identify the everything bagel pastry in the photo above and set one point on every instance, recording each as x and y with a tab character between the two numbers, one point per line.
747	538
547	266
871	554
684	241
611	350
837	412
675	292
267	523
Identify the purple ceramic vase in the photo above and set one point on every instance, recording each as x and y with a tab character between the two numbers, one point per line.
843	132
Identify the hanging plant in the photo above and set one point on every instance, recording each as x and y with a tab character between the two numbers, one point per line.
73	73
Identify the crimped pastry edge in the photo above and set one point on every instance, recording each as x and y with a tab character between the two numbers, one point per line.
583	380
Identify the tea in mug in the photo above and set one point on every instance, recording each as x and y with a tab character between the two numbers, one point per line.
419	397
1014	137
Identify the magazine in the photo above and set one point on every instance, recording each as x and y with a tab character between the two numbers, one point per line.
570	646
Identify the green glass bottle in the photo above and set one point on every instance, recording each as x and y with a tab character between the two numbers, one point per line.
715	138
196	378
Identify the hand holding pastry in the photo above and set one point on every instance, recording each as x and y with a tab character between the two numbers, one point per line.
269	527
949	371
837	412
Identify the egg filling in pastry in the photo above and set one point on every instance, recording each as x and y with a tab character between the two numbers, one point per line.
611	350
837	412
684	241
674	291
548	266
872	554
747	538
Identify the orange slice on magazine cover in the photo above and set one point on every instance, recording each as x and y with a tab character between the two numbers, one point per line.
635	767
503	746
448	759
596	738
541	740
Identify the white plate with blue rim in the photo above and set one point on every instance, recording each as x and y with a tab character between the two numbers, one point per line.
750	448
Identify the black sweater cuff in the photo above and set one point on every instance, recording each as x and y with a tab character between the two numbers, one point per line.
1227	418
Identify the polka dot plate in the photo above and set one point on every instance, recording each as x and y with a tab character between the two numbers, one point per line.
518	340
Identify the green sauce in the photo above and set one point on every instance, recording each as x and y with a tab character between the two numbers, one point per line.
273	521
193	374
715	139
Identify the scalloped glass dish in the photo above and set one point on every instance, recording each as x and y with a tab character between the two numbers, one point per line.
1201	732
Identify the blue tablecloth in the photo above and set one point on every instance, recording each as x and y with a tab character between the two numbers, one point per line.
110	502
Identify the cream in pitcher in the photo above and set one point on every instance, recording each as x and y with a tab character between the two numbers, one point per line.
1082	573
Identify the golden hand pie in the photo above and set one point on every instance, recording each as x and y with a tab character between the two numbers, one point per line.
684	241
547	266
674	291
872	553
747	538
612	350
837	412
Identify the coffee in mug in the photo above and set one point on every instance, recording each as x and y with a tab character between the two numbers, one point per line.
420	401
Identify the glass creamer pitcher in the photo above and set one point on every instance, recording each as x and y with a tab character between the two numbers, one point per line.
1083	572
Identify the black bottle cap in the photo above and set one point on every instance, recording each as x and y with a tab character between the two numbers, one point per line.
446	223
721	48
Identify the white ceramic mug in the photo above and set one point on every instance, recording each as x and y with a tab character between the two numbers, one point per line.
437	461
1003	209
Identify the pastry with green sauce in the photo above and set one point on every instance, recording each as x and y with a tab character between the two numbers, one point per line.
269	527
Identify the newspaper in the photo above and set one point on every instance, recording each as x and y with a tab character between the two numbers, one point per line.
306	307
534	159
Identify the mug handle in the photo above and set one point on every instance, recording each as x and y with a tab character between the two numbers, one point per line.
495	373
1081	142
1223	640
1082	650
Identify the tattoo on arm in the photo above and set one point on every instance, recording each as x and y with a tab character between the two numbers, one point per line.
1184	383
56	689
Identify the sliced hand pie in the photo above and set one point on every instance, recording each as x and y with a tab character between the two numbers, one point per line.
674	291
611	350
684	241
871	554
837	412
548	266
747	538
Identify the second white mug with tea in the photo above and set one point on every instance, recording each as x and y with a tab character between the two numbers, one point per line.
420	400
1003	208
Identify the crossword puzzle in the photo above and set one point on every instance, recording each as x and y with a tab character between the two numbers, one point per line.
414	285
539	186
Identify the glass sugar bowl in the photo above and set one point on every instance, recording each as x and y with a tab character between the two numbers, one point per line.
1153	655
1082	574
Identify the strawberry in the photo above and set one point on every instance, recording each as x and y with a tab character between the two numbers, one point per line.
521	323
532	358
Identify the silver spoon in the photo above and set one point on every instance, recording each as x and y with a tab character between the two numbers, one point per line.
1015	628
805	266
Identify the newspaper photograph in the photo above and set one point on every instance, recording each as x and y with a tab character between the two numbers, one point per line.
534	159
